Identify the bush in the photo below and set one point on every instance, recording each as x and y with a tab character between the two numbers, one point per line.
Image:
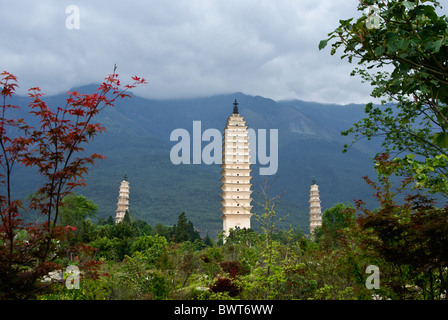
226	285
234	268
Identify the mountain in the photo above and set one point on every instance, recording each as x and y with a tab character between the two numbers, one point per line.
137	141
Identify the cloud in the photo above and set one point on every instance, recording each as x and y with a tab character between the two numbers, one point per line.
184	48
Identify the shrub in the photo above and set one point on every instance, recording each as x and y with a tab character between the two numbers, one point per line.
234	268
226	285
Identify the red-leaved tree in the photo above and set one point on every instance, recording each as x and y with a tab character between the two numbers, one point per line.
409	235
27	250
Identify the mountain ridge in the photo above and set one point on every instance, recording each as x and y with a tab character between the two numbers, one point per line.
137	141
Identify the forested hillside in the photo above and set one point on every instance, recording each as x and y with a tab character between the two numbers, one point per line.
137	141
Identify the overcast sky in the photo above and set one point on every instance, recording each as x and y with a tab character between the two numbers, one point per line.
184	48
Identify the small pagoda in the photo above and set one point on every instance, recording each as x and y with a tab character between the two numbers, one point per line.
315	208
123	200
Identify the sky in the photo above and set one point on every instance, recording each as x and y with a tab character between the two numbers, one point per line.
184	48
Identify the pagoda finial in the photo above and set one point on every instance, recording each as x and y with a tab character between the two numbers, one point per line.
314	180
235	107
125	176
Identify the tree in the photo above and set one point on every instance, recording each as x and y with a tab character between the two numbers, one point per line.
54	149
165	231
103	221
269	223
334	220
154	248
184	230
208	242
181	229
75	209
267	219
127	217
410	39
411	237
142	227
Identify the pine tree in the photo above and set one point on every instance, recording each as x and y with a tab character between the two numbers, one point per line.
127	217
184	230
181	229
208	241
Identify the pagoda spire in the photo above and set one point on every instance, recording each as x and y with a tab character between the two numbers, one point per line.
235	107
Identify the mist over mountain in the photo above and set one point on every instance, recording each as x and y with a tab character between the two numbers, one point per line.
137	141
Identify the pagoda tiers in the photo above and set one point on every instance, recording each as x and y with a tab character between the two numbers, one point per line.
236	177
315	209
123	200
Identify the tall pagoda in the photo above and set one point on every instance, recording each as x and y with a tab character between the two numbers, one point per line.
236	174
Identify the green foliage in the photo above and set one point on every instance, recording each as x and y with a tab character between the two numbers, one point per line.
181	229
154	248
270	265
410	237
334	220
184	230
165	231
142	227
407	246
75	209
127	217
410	40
